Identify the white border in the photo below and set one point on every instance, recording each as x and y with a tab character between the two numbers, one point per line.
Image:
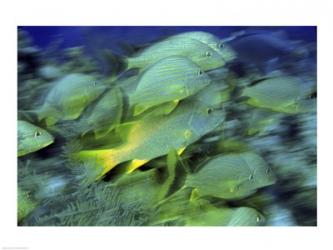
171	12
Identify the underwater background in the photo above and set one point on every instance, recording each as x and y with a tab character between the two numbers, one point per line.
226	137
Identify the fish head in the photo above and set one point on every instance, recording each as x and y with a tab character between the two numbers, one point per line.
92	89
32	138
80	91
225	51
196	79
205	119
213	42
174	76
208	111
207	58
80	84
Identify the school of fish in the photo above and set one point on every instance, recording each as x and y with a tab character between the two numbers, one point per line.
177	102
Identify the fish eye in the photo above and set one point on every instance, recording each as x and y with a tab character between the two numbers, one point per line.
208	54
37	133
209	111
221	45
200	72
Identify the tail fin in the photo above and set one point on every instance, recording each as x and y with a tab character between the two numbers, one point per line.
28	115
101	161
37	116
131	49
117	63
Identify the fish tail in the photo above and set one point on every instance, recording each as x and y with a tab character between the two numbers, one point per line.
100	161
49	116
29	115
119	63
38	116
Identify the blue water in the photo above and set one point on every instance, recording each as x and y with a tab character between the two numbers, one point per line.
111	36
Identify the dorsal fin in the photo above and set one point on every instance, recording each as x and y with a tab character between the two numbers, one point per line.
118	63
130	49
